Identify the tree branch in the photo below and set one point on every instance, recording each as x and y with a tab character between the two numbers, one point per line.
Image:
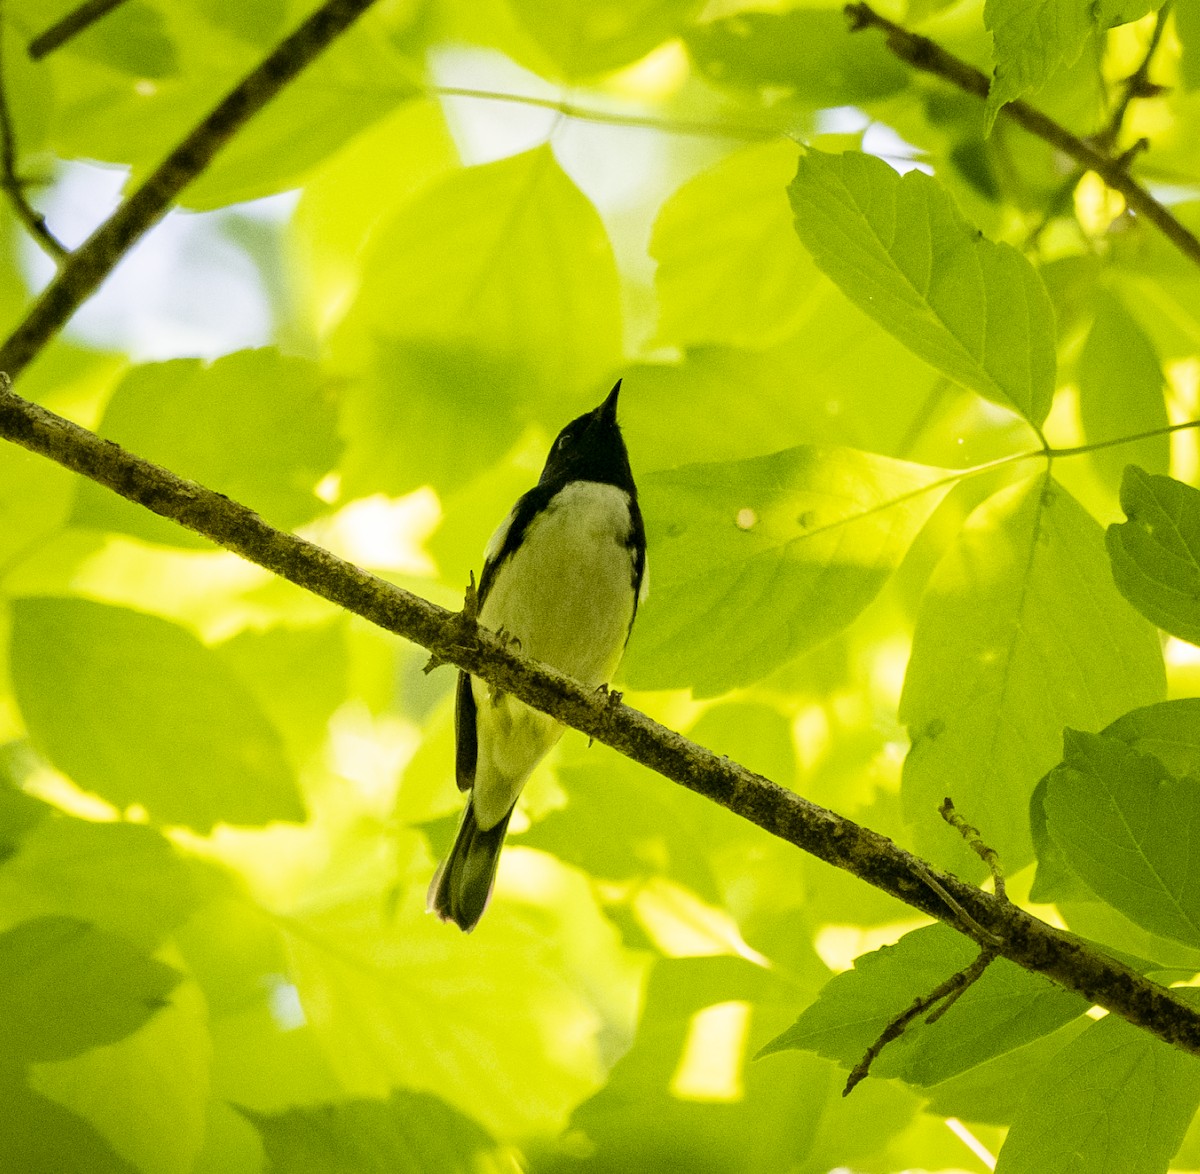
1137	84
452	637
96	258
76	21
12	183
456	639
924	54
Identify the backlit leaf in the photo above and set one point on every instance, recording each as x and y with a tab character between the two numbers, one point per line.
1006	639
1005	1009
1121	392
1156	553
899	248
255	425
1126	825
409	1133
508	260
139	711
66	986
809	53
1114	1101
730	269
754	561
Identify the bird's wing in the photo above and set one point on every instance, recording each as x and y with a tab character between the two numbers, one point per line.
503	543
466	744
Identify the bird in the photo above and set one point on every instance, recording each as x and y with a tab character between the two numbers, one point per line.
562	579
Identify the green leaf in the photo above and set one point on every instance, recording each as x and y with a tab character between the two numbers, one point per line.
452	410
132	38
1121	392
810	54
508	260
1032	42
754	561
1006	640
350	86
277	666
587	37
139	711
1156	553
406	1002
66	986
126	878
750	1119
259	24
20	814
255	425
1114	1101
409	1133
730	269
1126	825
899	248
1170	732
38	1136
994	1091
1055	879
1007	1008
1187	27
159	1120
353	192
658	838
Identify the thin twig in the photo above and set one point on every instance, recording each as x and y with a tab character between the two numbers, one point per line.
1022	938
967	924
924	54
92	262
11	183
971	834
947	994
71	25
1136	85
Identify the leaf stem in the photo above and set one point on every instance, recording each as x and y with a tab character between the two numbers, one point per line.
1097	445
614	118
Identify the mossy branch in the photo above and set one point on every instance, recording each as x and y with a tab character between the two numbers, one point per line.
454	638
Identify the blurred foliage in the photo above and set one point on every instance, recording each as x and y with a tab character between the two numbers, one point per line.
221	802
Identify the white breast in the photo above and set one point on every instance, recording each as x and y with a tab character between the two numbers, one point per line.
567	596
567	592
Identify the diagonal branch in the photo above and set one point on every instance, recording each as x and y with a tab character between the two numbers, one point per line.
456	639
1001	928
77	21
924	54
96	258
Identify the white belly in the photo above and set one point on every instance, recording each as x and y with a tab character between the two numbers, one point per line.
567	596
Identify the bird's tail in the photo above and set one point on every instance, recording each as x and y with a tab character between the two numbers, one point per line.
462	885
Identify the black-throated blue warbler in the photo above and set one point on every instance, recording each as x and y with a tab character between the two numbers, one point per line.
562	578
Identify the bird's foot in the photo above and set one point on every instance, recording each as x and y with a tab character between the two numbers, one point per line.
613	696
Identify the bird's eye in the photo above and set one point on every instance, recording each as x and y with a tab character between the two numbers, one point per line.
562	441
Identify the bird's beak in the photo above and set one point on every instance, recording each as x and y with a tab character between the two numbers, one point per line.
608	409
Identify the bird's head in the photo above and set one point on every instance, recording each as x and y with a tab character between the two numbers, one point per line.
591	448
